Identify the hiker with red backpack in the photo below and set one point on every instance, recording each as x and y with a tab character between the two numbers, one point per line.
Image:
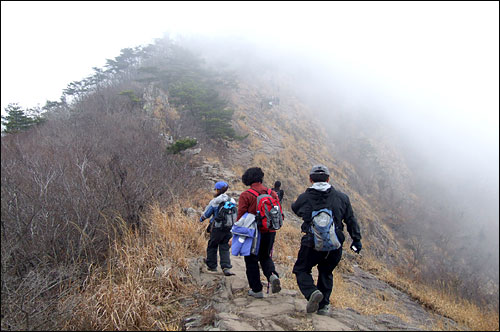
264	204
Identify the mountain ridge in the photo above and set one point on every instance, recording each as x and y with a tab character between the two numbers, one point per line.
95	200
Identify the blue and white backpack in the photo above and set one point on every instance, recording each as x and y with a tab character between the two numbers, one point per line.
323	229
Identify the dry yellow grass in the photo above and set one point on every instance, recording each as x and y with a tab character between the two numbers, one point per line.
445	303
348	295
128	295
344	295
285	252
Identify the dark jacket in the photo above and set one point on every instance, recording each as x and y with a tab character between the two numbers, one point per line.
280	193
313	199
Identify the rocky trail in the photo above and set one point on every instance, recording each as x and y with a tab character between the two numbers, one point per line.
234	310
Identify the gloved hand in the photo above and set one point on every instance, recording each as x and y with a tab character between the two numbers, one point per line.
306	226
356	246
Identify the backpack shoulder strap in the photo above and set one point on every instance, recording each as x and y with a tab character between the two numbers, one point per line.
253	192
220	206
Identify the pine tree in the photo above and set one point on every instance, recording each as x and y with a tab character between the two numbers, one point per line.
16	119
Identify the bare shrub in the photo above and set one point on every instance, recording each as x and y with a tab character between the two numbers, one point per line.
65	185
33	302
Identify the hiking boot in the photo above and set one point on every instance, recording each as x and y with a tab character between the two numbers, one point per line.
227	272
257	295
324	311
314	300
275	283
209	269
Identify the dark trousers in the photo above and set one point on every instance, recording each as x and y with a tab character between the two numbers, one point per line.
219	240
326	261
265	260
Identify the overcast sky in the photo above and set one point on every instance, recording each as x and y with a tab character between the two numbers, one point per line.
440	58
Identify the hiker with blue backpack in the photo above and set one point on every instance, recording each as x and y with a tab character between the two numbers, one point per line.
262	203
322	209
223	211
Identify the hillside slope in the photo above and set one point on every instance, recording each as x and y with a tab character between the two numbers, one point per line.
285	140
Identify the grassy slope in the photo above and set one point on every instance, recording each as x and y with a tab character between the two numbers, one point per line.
302	143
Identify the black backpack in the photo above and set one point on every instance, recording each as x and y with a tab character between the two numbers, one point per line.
226	216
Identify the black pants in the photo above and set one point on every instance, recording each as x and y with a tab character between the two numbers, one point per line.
326	261
265	260
219	239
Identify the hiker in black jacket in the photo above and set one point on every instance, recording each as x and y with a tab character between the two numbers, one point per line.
322	195
278	190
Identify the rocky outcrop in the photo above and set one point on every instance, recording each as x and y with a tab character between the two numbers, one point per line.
213	172
154	97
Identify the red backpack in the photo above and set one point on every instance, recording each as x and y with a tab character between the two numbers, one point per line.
269	214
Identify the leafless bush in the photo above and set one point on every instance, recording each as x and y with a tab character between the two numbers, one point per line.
33	302
64	185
